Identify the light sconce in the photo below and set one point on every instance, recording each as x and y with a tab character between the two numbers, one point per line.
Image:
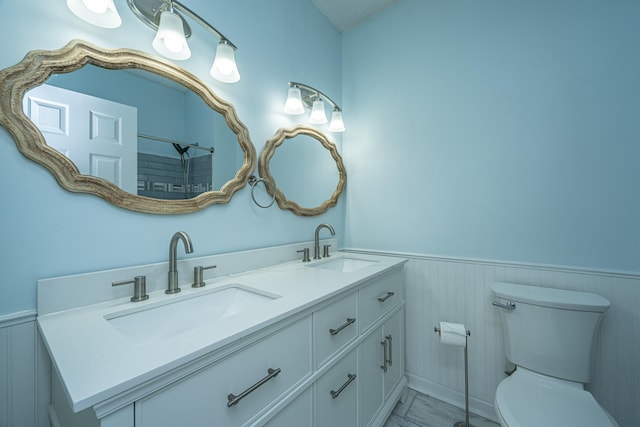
172	30
101	13
301	96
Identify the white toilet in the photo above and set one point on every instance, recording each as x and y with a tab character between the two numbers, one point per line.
549	336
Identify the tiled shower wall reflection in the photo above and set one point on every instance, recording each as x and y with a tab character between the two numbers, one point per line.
163	177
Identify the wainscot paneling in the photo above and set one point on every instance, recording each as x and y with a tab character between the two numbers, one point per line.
437	289
24	373
458	290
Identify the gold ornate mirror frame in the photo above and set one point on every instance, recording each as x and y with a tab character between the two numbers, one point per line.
39	65
270	149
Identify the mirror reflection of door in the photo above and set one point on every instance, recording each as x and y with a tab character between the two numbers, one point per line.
98	135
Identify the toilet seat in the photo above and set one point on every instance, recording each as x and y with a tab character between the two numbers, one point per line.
529	399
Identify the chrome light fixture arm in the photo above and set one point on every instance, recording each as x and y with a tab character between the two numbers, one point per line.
194	16
310	93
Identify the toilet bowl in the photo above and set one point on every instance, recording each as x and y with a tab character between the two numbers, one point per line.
549	336
529	399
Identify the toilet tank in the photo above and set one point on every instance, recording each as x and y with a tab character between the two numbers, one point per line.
550	331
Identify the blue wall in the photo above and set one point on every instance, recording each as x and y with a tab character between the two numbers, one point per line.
47	231
497	130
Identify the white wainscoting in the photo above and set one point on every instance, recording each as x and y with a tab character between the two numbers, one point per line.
24	373
453	290
458	290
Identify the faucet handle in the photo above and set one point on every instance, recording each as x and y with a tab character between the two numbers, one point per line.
198	273
325	252
139	288
305	254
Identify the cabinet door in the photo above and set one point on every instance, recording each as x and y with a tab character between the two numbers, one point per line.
296	414
393	334
337	394
203	399
370	372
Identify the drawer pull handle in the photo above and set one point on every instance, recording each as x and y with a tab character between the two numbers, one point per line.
350	378
233	399
386	297
350	320
390	359
384	355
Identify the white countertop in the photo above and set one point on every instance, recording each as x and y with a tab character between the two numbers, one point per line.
95	362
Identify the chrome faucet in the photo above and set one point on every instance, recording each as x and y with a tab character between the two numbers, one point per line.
316	248
173	269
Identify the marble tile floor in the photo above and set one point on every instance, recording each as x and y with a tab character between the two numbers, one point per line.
420	410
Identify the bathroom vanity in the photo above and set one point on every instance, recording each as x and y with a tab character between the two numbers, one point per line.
290	344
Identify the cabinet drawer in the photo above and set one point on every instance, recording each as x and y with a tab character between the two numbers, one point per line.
334	327
337	394
204	398
378	298
297	413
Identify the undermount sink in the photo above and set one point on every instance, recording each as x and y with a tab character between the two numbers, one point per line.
173	318
344	264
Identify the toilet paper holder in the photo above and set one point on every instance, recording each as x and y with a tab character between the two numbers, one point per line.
466	422
436	329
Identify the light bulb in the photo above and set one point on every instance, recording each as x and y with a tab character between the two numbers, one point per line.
170	40
318	116
97	6
294	101
337	123
224	66
101	13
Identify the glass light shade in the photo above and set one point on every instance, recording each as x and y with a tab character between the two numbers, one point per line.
294	101
170	40
102	13
318	116
337	124
224	66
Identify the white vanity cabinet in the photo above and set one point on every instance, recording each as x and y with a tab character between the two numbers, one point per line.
237	389
336	359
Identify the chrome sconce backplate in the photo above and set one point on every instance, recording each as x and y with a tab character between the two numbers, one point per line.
149	11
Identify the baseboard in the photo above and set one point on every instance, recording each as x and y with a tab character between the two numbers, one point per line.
453	397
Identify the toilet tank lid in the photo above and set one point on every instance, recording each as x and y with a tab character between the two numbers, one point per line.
550	297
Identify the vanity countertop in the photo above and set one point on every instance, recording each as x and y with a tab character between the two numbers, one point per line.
96	362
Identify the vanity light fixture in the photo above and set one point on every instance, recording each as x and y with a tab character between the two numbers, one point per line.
153	12
301	96
166	18
102	13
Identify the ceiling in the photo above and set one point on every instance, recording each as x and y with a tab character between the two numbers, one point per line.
346	14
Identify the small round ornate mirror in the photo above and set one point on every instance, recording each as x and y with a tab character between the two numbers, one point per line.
303	164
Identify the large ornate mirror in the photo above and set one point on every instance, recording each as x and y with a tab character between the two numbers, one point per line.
138	131
305	168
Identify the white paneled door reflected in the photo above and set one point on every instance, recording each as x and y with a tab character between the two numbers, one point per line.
99	136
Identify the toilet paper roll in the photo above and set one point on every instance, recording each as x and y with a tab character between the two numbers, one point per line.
453	334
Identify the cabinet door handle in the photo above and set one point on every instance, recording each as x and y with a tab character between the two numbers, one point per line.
390	359
350	320
233	399
350	378
386	297
384	355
